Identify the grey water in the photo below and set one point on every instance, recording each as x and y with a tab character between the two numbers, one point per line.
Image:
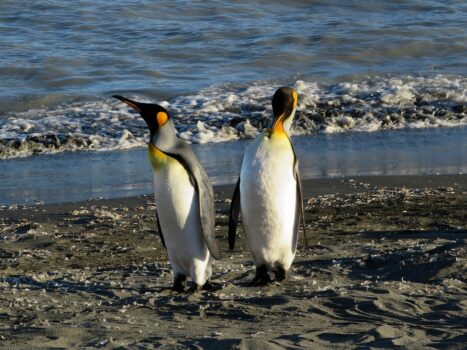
57	51
362	66
80	176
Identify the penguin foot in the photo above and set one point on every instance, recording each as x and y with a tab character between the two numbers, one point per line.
280	273
195	288
179	284
207	285
262	278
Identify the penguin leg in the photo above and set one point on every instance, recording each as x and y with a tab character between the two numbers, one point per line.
179	283
261	278
201	272
207	285
195	288
280	272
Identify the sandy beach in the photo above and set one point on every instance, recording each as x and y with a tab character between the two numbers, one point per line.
385	268
379	127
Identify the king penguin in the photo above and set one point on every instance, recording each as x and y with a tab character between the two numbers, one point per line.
184	199
268	194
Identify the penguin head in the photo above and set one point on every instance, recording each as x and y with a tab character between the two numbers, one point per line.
154	115
284	104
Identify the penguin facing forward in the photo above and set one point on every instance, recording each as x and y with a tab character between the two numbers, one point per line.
184	198
268	194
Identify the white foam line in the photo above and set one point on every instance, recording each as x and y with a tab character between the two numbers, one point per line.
223	113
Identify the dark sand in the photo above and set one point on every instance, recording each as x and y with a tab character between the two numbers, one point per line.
386	267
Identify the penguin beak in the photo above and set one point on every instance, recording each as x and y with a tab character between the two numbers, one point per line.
133	104
146	110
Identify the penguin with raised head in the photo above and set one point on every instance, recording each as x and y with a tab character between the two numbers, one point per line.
184	198
268	194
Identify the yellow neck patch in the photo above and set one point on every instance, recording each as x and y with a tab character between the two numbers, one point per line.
157	158
162	118
277	137
279	126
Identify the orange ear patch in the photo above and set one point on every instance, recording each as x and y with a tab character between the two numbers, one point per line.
162	118
295	98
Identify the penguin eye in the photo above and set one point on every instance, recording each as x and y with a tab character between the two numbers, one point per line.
162	118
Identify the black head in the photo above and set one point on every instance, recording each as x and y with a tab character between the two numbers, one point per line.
284	103
154	115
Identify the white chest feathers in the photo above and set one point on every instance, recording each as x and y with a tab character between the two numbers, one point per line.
178	210
268	194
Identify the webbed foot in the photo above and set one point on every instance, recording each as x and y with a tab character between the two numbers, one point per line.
179	283
261	278
280	273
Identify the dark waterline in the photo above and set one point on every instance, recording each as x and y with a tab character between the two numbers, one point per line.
80	176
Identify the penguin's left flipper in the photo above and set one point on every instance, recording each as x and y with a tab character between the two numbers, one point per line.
233	215
205	200
299	212
160	230
182	152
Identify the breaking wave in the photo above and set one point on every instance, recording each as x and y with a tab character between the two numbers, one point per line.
227	112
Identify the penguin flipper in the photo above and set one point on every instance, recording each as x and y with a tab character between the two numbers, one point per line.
233	215
205	193
206	207
299	211
166	141
159	229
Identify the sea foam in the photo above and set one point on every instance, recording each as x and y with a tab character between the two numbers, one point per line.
226	112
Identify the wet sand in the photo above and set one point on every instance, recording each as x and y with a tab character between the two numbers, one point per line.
385	268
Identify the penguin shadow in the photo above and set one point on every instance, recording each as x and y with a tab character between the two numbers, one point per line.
206	343
412	265
248	280
403	263
61	285
110	295
190	289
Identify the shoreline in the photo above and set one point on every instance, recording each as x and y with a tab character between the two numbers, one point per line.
384	268
311	187
69	177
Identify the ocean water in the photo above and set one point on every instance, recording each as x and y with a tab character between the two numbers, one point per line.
67	177
358	66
